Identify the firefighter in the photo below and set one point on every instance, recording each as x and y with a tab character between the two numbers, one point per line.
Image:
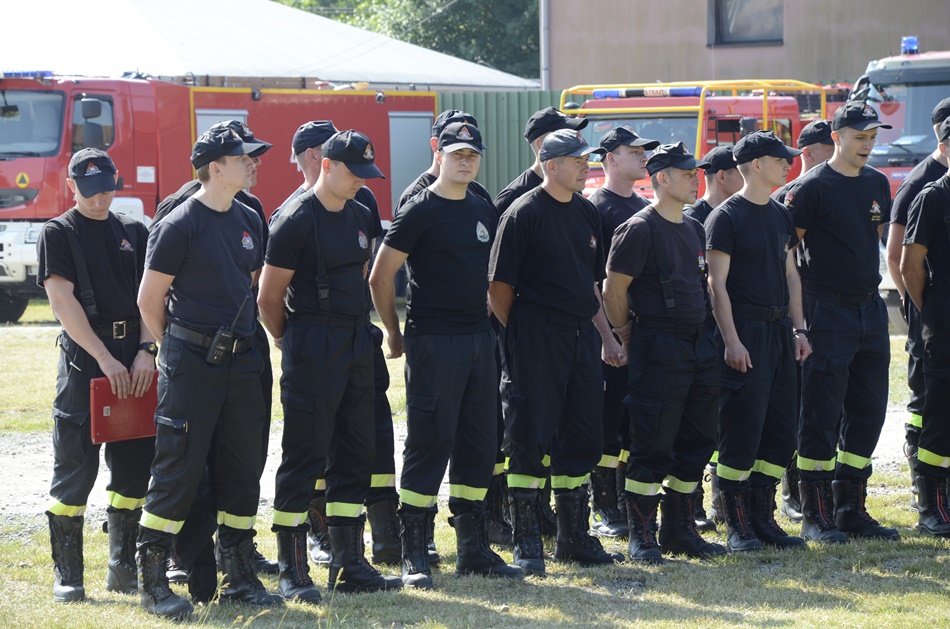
925	267
204	257
756	296
657	268
545	264
92	291
840	209
722	181
444	235
624	164
318	253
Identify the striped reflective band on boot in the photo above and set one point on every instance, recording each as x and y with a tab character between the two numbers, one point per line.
624	455
118	501
499	469
731	473
768	469
523	481
814	465
288	519
854	460
413	499
682	486
568	482
932	458
320	485
609	461
714	459
344	509
239	522
381	480
915	420
475	494
642	489
58	508
156	523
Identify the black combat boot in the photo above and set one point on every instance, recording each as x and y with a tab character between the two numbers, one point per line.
176	571
499	529
703	524
318	541
349	570
933	512
123	527
154	594
910	451
263	565
475	555
526	528
641	518
384	525
762	502
548	519
851	514
621	492
818	507
415	555
294	582
573	542
241	584
791	500
65	538
603	496
740	535
434	557
678	534
717	513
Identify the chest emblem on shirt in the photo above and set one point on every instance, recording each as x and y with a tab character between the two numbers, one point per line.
247	242
481	232
875	212
364	242
125	245
701	260
593	242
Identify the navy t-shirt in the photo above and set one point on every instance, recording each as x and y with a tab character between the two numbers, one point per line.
925	226
188	190
344	243
426	179
841	215
448	243
632	254
551	252
111	261
758	239
923	173
525	182
212	256
614	211
364	196
699	210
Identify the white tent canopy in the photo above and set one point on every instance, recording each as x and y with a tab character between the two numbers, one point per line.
240	38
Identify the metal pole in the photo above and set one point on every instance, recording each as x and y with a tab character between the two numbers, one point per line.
545	19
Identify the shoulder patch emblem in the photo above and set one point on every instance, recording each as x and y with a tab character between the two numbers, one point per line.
701	260
593	242
875	212
125	245
481	232
364	242
247	242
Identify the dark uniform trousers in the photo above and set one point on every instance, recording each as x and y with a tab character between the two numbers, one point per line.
383	483
552	396
934	446
846	379
616	416
915	371
758	410
75	457
206	413
673	401
451	401
327	391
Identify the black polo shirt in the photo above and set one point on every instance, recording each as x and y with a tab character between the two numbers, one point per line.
926	226
699	210
426	179
525	182
614	211
923	173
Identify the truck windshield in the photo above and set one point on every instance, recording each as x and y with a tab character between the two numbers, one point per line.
663	129
907	107
31	123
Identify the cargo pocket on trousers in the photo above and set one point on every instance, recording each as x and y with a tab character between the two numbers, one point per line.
171	445
420	414
644	420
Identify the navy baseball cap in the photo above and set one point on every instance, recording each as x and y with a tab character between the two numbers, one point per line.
217	142
719	158
460	135
93	172
311	134
567	143
550	119
762	144
673	156
356	151
943	133
941	112
815	132
245	134
625	136
449	116
857	115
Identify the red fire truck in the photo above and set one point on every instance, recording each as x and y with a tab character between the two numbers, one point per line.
148	127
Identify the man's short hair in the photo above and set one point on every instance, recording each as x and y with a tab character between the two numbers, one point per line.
204	173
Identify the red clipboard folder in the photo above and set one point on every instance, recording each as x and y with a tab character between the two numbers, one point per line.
113	419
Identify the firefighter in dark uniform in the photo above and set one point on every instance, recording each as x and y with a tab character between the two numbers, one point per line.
101	336
656	269
722	181
545	264
756	296
317	256
930	169
925	266
624	164
840	209
444	234
204	258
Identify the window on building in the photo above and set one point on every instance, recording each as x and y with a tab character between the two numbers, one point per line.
737	22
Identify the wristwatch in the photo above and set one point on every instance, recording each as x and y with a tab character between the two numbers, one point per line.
151	348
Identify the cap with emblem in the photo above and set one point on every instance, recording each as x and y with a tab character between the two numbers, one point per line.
625	136
460	135
312	134
550	119
567	143
815	132
673	156
356	151
245	134
943	134
762	144
941	112
215	144
719	158
449	116
857	115
93	172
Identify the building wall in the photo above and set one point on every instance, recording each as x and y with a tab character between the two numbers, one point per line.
635	41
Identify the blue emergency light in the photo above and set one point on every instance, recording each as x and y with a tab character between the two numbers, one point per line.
27	74
648	92
909	45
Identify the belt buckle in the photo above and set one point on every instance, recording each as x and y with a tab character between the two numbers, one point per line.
116	326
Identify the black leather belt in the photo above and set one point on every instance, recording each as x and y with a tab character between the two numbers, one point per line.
116	329
760	313
197	338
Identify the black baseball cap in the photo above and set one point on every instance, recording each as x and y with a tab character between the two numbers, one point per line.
673	156
448	116
460	135
941	112
625	136
245	134
93	172
311	134
547	120
356	151
719	158
857	115
567	143
943	133
762	144
217	142
815	132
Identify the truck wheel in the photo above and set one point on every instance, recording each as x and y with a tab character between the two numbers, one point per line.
12	307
